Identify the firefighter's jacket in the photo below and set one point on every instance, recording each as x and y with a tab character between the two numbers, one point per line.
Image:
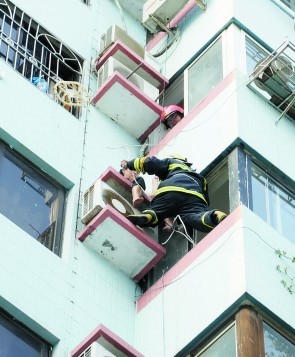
175	175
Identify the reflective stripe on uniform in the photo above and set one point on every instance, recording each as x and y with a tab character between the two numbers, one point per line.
138	164
203	220
179	166
180	189
153	214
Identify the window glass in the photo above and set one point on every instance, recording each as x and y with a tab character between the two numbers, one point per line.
205	74
15	341
30	200
218	188
272	202
275	344
254	54
223	346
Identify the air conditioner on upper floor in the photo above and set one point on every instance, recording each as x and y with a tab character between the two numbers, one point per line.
97	196
160	11
115	33
277	78
112	65
96	350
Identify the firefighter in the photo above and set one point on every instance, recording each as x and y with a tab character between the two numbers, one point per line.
171	115
182	192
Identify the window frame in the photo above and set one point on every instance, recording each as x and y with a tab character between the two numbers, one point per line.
57	223
45	347
279	330
221	38
209	342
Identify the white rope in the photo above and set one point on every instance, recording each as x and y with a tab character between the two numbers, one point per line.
186	235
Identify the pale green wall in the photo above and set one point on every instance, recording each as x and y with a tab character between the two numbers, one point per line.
64	299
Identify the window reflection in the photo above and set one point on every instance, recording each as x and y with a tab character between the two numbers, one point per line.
272	202
223	346
205	74
30	200
275	344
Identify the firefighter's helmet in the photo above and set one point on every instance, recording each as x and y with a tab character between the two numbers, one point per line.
169	111
181	158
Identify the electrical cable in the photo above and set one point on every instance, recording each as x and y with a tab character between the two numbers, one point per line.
186	235
151	291
168	45
121	14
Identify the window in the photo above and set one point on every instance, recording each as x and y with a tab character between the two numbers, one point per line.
30	200
272	75
272	202
204	74
34	52
224	345
254	54
15	340
275	344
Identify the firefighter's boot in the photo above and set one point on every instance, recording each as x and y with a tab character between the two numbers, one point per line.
141	220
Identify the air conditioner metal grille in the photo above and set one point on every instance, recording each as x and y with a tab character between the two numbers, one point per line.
98	196
274	79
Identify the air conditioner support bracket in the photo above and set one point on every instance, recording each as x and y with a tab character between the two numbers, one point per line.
161	25
287	108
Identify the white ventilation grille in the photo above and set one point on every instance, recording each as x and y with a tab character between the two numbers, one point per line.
98	196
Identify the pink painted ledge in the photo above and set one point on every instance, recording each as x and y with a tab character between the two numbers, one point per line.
111	174
118	78
102	332
110	212
188	259
121	47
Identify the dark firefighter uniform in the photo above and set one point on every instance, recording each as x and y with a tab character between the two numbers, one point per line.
181	192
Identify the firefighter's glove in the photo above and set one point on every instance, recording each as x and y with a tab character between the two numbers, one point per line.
136	164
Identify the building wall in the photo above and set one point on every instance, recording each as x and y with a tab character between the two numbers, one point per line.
206	285
64	298
73	294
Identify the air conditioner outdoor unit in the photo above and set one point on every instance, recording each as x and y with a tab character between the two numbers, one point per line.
97	196
96	350
161	10
115	33
277	79
112	65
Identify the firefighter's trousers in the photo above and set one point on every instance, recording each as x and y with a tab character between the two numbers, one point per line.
192	210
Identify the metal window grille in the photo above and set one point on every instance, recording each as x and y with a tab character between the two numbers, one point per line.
35	53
